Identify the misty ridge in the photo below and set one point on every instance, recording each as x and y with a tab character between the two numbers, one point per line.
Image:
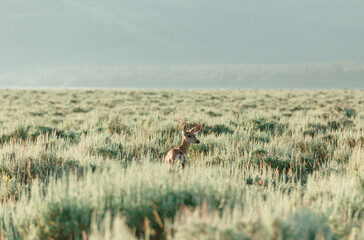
263	76
182	44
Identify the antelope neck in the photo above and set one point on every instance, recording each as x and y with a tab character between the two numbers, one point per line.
185	146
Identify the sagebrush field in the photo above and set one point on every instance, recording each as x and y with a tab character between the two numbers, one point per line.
87	164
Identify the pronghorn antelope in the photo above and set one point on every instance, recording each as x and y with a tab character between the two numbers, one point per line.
180	153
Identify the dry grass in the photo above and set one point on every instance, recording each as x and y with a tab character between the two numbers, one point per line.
271	165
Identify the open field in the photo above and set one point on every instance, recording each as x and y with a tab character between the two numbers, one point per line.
87	164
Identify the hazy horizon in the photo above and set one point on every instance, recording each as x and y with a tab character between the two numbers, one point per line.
154	44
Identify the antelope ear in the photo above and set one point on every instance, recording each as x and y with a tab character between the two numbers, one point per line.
196	129
184	129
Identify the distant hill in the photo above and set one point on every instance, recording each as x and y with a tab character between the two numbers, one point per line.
43	33
276	76
182	43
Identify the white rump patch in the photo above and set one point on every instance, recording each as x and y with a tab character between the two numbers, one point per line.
182	158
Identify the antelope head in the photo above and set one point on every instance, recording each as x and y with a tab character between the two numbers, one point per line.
190	135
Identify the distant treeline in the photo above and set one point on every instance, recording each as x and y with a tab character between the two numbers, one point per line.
276	76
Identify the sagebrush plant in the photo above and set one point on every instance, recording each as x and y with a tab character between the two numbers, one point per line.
88	164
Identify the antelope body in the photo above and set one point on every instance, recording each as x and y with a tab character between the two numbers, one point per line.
180	153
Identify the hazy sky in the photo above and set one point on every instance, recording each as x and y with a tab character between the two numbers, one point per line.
58	33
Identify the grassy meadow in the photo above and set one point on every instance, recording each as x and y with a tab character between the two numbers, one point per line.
87	164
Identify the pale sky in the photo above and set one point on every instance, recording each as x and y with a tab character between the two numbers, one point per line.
46	34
